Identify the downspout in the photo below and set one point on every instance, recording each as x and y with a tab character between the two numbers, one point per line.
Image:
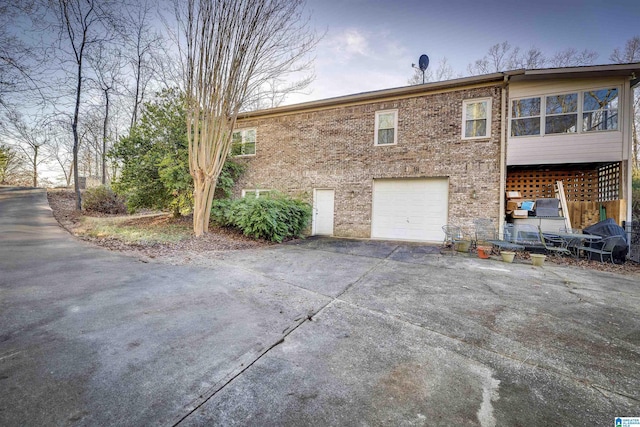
503	155
628	188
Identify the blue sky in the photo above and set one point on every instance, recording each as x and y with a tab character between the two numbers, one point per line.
370	44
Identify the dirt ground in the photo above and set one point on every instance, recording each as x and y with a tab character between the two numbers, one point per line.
200	251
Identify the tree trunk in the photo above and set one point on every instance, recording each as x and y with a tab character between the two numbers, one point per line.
68	175
104	138
134	115
76	141
35	165
203	189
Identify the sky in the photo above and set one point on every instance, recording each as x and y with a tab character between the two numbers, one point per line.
371	44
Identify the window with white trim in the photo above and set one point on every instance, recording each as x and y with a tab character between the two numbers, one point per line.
255	193
476	118
243	142
561	113
525	117
600	110
386	127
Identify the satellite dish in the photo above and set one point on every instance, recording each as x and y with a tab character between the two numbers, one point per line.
423	62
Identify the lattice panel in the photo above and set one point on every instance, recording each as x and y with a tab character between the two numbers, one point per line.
579	185
609	182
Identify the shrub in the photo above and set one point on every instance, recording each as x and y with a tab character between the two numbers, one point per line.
103	200
221	212
273	218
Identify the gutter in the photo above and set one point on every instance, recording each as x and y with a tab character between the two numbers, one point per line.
376	96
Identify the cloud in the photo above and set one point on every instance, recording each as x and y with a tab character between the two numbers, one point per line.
349	43
353	60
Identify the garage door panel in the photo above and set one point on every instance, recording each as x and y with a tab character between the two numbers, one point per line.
409	209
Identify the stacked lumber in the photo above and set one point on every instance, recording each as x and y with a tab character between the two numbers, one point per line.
584	214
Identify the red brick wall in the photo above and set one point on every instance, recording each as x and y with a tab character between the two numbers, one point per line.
334	148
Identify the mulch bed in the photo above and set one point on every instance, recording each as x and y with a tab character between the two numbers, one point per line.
62	204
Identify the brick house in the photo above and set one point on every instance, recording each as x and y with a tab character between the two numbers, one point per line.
400	163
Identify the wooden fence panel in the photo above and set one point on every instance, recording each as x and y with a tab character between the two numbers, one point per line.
584	214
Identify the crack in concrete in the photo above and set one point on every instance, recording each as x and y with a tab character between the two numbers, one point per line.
601	389
209	394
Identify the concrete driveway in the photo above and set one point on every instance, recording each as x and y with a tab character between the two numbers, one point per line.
318	332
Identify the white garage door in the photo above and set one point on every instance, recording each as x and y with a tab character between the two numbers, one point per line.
409	209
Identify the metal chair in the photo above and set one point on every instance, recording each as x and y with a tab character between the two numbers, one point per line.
452	234
554	244
604	247
575	243
485	231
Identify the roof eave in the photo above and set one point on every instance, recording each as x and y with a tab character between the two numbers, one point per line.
631	71
377	95
611	70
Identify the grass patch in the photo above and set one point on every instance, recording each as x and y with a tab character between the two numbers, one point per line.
143	230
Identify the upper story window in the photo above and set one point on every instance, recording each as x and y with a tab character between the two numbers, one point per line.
386	127
525	117
476	118
600	110
559	113
243	142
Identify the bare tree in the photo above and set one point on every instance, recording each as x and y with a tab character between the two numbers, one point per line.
90	133
631	53
444	71
498	56
142	44
61	149
274	92
29	139
11	165
531	59
233	47
16	57
502	56
495	60
107	66
82	24
571	57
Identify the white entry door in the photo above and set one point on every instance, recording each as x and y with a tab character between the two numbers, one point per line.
409	209
323	212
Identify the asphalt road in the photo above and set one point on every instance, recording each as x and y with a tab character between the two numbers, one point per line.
319	332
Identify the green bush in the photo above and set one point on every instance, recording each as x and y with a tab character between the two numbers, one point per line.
103	200
273	218
221	212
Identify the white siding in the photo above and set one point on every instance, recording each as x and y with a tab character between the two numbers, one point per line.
606	146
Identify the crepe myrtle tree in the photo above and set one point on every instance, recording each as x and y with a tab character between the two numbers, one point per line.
230	48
